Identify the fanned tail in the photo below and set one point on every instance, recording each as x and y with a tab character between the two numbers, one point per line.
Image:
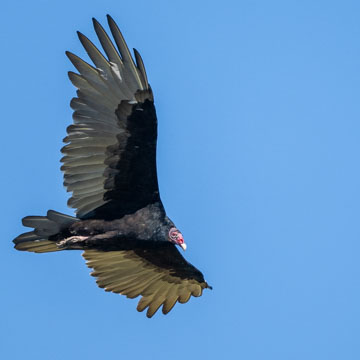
44	227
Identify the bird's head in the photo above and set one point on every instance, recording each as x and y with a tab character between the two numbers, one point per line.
175	236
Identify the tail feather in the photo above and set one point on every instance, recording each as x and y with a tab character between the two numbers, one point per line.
60	218
44	226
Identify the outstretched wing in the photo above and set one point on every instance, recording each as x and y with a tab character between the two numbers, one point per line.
110	159
158	273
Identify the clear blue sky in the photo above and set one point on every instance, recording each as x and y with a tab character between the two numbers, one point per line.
259	143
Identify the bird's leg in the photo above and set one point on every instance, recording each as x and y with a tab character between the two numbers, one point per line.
86	242
72	242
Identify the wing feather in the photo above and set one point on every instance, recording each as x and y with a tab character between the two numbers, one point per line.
160	281
107	44
133	76
141	66
170	300
99	159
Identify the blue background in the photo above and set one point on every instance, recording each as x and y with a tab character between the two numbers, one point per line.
258	107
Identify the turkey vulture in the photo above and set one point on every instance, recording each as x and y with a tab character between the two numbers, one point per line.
109	165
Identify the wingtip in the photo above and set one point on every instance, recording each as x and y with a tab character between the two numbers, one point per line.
95	22
137	54
70	55
111	22
81	36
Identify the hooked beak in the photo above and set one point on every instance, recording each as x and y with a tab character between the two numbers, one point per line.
183	246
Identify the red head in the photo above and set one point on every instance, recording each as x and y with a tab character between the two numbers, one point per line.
175	236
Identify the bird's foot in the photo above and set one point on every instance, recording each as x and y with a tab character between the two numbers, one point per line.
73	242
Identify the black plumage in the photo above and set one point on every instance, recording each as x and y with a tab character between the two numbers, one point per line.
109	165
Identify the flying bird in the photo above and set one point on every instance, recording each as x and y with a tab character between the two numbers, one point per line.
109	166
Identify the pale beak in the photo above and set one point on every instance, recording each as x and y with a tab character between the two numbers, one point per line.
183	246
